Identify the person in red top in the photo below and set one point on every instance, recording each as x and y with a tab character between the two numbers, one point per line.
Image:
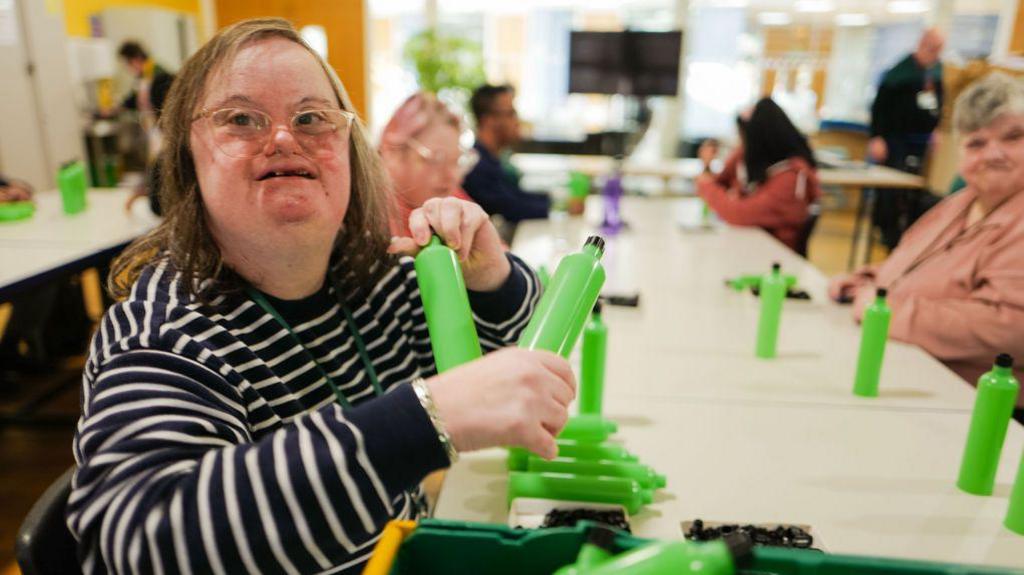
421	152
770	181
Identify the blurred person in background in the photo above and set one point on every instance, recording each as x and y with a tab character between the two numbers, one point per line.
152	83
956	279
422	154
904	118
770	181
492	183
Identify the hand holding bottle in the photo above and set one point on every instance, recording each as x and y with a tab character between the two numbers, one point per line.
512	397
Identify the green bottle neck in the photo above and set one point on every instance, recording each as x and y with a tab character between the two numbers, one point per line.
435	240
1001	371
880	301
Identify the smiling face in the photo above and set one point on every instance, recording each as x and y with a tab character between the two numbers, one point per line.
992	158
288	195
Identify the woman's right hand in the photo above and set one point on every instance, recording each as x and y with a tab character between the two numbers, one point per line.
512	397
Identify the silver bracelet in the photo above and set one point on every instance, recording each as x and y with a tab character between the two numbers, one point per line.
423	394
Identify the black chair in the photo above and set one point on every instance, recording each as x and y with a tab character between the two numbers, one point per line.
44	545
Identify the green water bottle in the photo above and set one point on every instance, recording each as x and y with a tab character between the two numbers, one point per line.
569	297
588	428
544	276
773	293
595	342
72	185
642	474
446	306
874	332
740	283
518	458
561	486
993	407
593	451
722	557
1015	513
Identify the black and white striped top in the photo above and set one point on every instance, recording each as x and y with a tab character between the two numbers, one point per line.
210	443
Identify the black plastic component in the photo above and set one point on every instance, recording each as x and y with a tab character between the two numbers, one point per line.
881	292
789	536
1004	360
569	517
597	241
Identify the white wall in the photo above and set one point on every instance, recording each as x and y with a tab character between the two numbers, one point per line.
39	128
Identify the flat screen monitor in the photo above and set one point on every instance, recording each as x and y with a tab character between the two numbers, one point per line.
631	63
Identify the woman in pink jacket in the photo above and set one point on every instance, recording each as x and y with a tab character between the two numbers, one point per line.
423	157
770	181
956	279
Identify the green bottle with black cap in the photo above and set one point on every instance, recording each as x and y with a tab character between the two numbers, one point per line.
993	408
595	343
453	336
773	293
874	332
1015	512
518	458
642	474
570	295
566	487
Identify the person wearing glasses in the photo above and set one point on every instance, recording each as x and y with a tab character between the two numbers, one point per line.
423	157
262	399
491	183
956	280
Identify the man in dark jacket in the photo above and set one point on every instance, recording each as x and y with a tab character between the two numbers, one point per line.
905	113
493	184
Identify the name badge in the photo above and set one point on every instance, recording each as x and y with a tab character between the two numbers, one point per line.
926	100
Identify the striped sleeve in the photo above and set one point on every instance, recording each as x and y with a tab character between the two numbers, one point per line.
170	479
502	315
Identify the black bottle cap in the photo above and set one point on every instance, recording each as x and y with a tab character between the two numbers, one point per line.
1004	360
740	545
597	241
881	292
597	306
776	266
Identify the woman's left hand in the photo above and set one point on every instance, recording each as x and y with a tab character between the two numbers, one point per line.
464	227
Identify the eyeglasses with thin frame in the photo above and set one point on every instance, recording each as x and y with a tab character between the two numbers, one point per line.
467	158
245	133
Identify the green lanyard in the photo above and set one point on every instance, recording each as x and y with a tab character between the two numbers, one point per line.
261	301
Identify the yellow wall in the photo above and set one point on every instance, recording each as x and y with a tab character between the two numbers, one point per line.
77	12
343	20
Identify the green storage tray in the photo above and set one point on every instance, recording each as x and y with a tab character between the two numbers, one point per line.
445	547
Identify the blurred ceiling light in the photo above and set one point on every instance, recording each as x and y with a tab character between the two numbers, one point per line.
814	6
774	18
907	6
852	19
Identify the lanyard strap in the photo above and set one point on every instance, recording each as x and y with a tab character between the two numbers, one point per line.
364	356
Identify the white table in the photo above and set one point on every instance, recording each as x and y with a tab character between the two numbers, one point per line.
689	324
748	440
868	176
878	483
53	243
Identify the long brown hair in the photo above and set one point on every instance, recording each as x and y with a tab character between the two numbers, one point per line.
184	234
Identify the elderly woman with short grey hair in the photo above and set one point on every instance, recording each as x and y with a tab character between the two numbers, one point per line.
956	280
